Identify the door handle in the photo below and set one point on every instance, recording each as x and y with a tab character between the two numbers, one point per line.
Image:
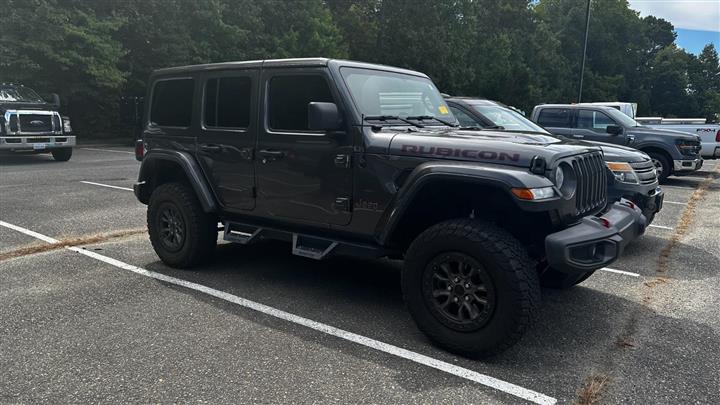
211	148
268	155
578	136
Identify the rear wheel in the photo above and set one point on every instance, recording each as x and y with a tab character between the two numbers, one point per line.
470	287
181	233
662	165
62	154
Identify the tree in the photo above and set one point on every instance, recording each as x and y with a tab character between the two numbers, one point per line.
704	78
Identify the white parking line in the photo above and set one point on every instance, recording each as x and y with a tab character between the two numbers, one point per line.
109	150
674	202
627	273
461	372
106	185
660	227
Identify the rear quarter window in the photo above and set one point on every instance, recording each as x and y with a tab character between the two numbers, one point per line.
172	102
555	117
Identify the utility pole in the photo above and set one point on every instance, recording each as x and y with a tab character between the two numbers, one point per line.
582	68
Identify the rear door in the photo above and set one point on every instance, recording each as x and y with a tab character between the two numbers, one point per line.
228	130
557	120
302	175
591	125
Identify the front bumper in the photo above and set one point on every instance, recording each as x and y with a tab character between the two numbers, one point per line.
37	143
650	203
590	244
688	165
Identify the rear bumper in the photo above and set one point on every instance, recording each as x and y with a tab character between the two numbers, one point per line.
36	143
590	245
688	165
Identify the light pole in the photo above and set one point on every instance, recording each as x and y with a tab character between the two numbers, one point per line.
582	67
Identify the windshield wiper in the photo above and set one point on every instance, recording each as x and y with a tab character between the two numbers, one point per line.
392	117
431	117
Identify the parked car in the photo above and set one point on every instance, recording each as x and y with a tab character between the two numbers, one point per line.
672	152
347	158
634	176
30	124
709	133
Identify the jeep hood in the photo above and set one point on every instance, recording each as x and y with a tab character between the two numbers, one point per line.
498	147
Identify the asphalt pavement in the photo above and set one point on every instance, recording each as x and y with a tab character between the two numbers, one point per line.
111	323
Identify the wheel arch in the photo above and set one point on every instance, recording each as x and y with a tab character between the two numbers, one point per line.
160	167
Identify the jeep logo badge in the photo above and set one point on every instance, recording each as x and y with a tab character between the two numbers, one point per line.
36	123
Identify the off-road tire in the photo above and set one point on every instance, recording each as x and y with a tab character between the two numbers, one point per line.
666	165
551	278
510	269
200	228
62	154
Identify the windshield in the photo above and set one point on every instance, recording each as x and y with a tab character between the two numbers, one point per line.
19	95
621	118
378	93
507	118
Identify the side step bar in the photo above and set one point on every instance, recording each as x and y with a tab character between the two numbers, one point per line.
312	247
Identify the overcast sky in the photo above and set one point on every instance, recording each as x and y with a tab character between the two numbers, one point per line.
697	22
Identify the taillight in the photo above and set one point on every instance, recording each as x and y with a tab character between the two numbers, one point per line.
717	136
139	149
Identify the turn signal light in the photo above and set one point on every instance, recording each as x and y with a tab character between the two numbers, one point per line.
539	193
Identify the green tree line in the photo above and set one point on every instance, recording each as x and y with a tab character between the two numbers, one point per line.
520	52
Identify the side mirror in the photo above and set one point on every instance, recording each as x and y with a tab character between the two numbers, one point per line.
55	100
614	130
323	117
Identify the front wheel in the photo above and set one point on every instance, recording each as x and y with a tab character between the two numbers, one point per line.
470	287
662	165
181	233
62	154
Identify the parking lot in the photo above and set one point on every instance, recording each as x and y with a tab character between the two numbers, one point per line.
89	314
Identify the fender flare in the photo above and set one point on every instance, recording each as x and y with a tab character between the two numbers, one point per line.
672	152
193	173
501	177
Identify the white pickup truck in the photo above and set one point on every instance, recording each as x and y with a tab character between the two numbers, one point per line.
709	133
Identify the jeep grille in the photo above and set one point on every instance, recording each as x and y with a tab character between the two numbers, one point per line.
591	193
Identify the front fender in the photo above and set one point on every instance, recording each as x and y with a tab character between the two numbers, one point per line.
501	177
148	177
656	144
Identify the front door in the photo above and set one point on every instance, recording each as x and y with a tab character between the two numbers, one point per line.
228	129
591	125
302	175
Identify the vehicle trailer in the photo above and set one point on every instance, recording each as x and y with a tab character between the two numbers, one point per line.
634	179
348	158
672	152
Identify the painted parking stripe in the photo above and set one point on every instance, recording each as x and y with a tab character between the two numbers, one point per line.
660	227
674	202
106	185
110	150
492	382
616	271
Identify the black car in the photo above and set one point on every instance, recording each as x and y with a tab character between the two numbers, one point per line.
634	177
347	158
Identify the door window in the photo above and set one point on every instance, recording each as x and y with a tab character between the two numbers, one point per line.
289	97
464	119
593	120
172	103
555	117
227	102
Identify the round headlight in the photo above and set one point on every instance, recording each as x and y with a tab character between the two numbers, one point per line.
565	180
559	177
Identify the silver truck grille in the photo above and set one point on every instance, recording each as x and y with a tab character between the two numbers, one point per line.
645	171
591	193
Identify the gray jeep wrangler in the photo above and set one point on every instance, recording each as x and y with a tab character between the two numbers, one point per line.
346	158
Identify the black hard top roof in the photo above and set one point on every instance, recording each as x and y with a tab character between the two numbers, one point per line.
279	63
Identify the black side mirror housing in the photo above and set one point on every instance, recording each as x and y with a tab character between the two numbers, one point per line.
55	100
614	130
323	117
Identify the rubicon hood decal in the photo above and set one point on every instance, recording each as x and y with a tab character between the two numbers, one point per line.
458	152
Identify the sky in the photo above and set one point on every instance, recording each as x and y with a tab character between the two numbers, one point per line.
697	22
